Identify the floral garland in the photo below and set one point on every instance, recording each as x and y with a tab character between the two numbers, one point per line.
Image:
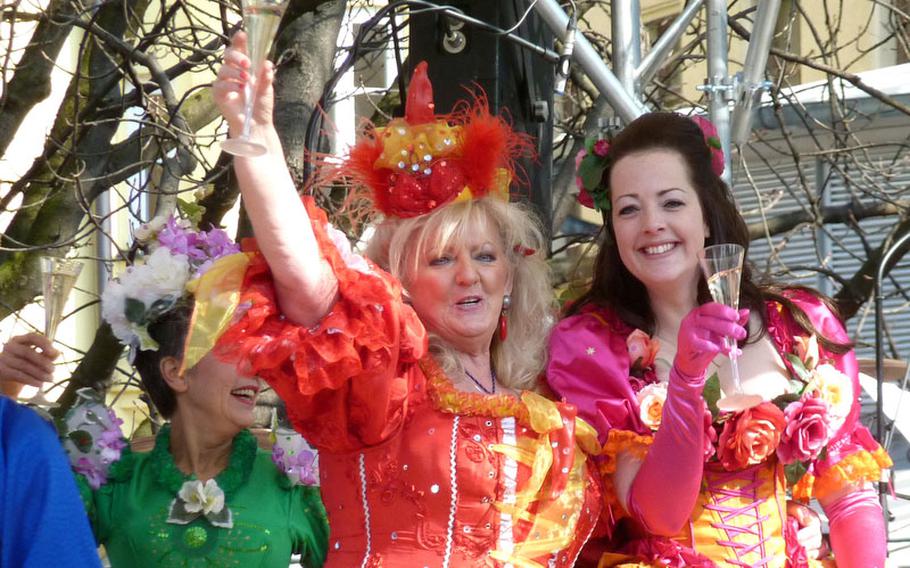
92	438
592	161
151	288
796	426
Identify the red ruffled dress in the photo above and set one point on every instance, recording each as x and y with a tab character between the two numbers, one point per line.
413	472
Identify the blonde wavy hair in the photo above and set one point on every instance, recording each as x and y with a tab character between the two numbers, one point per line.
399	245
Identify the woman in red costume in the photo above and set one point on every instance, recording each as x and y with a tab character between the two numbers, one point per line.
415	376
687	484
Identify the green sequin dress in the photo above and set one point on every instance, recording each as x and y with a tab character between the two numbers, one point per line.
271	517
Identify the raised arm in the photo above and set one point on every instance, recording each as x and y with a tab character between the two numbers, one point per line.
304	282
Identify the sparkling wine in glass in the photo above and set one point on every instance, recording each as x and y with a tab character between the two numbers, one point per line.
723	267
58	276
261	19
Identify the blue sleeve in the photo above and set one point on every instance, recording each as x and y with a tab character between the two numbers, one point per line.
42	518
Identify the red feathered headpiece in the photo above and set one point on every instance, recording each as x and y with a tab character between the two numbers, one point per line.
423	161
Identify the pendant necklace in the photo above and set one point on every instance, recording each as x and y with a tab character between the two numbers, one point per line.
480	386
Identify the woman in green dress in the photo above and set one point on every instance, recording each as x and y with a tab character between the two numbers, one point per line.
206	495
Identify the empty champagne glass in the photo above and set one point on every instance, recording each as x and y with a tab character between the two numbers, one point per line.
723	267
261	19
58	276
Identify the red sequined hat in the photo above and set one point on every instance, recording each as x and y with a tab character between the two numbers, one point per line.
423	161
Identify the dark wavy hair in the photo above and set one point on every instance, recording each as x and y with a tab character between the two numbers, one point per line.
170	332
614	287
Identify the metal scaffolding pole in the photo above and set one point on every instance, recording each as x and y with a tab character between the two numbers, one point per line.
752	84
658	53
626	26
718	85
625	105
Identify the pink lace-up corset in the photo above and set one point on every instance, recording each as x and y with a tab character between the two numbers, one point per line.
739	516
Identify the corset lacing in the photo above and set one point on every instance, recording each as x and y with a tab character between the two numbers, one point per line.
719	486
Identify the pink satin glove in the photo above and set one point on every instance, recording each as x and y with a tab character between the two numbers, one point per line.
677	454
857	528
702	336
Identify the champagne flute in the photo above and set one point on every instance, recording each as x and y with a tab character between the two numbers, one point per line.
723	267
58	276
261	18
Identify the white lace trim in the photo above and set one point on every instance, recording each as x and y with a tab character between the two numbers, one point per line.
366	513
510	483
450	530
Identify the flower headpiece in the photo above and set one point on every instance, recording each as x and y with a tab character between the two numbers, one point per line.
591	163
424	160
148	290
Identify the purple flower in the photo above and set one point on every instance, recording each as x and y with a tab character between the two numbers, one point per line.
807	430
177	239
300	467
92	474
218	243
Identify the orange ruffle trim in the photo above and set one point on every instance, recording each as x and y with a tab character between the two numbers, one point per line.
368	327
620	441
857	468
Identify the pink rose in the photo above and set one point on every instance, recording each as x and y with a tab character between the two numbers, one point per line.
578	158
750	436
642	349
709	131
806	432
585	198
601	148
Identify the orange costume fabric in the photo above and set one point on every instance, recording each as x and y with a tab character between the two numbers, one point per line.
413	472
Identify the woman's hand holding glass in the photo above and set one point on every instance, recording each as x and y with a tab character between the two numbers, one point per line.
27	360
703	335
229	90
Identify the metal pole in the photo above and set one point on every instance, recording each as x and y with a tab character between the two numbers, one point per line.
626	26
662	47
718	85
880	356
752	83
585	55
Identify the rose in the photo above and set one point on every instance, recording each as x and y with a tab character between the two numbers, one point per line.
807	350
833	387
642	349
712	140
806	432
750	436
601	148
651	401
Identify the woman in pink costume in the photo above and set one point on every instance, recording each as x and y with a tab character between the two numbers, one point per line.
643	355
435	450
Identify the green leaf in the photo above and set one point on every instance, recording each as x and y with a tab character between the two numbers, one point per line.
191	210
711	394
134	311
783	400
82	440
794	472
591	171
589	145
602	201
799	367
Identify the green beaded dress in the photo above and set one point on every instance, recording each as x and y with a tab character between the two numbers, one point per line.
272	518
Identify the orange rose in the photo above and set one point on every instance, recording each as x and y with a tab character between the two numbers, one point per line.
750	436
642	349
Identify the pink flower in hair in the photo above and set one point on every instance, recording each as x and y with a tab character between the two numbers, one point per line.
709	131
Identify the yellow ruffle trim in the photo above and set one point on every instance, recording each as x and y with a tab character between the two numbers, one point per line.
860	467
618	441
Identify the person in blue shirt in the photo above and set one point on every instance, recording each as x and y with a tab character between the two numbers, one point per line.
42	518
